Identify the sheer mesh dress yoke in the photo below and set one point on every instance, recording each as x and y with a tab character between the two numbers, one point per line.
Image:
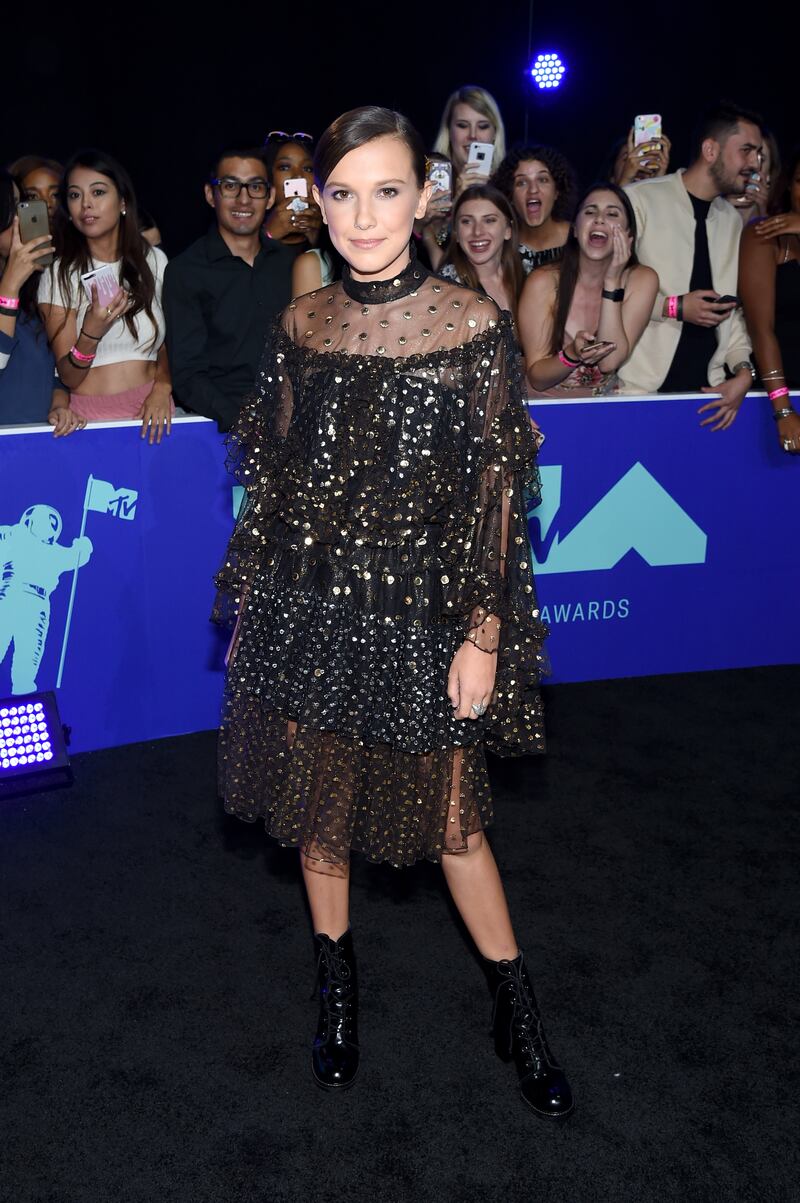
388	462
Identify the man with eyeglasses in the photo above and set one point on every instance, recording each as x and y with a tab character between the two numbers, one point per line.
221	292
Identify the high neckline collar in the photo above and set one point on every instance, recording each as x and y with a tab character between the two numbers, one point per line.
377	292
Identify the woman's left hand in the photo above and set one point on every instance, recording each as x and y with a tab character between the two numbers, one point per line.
773	227
156	414
471	680
64	420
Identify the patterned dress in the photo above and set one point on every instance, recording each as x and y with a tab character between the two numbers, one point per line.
388	464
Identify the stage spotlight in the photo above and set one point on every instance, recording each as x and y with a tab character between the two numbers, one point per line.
548	70
33	750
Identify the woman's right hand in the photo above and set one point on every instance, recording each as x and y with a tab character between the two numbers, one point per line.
585	347
438	209
470	176
23	259
100	318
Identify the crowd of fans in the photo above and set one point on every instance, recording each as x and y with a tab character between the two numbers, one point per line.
655	281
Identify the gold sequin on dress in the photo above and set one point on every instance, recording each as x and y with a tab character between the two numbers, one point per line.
388	463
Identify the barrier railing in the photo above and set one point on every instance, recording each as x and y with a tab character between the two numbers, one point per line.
659	547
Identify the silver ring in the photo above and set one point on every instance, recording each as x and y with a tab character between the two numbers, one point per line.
480	709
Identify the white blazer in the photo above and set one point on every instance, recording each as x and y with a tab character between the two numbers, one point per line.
665	241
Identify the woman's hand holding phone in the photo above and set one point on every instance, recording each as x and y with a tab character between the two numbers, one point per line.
283	222
588	349
23	259
645	161
439	207
101	317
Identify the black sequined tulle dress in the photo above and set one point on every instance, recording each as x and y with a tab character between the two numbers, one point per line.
388	462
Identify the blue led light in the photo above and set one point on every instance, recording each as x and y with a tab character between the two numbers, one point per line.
26	740
548	70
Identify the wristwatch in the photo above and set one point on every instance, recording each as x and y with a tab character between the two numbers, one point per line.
744	363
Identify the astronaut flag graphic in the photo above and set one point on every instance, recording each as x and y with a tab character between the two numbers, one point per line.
33	562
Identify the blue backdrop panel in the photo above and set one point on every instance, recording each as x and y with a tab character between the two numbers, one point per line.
659	547
663	547
142	659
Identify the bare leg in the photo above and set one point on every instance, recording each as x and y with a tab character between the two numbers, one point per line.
327	885
328	896
477	891
475	884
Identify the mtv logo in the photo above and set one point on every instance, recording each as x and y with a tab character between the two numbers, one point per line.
103	498
636	514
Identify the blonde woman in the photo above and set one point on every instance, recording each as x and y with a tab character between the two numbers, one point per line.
471	114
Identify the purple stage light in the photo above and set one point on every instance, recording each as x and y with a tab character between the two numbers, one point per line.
33	752
548	70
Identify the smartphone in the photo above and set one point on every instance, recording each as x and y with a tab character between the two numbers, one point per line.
34	223
480	155
727	300
106	280
441	176
298	187
646	128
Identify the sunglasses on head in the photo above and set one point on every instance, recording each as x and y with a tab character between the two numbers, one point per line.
280	135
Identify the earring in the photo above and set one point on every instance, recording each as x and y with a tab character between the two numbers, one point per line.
123	212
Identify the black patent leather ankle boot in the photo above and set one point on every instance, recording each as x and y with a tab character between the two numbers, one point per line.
519	1035
334	1057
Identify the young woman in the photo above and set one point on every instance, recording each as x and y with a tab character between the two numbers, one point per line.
540	184
482	251
386	629
580	321
110	354
471	114
769	284
38	179
29	389
289	157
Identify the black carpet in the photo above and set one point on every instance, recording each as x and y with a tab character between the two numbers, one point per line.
157	968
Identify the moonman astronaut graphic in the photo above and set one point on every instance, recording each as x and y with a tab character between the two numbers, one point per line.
31	562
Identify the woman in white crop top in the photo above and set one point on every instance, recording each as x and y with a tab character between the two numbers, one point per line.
110	350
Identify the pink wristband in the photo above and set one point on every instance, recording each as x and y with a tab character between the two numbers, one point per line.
672	307
778	392
79	355
567	362
9	302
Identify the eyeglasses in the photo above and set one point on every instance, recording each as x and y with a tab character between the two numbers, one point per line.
230	186
280	135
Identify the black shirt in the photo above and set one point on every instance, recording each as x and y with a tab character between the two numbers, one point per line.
688	372
217	308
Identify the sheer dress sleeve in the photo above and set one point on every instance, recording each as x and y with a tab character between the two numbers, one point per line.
491	589
258	448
